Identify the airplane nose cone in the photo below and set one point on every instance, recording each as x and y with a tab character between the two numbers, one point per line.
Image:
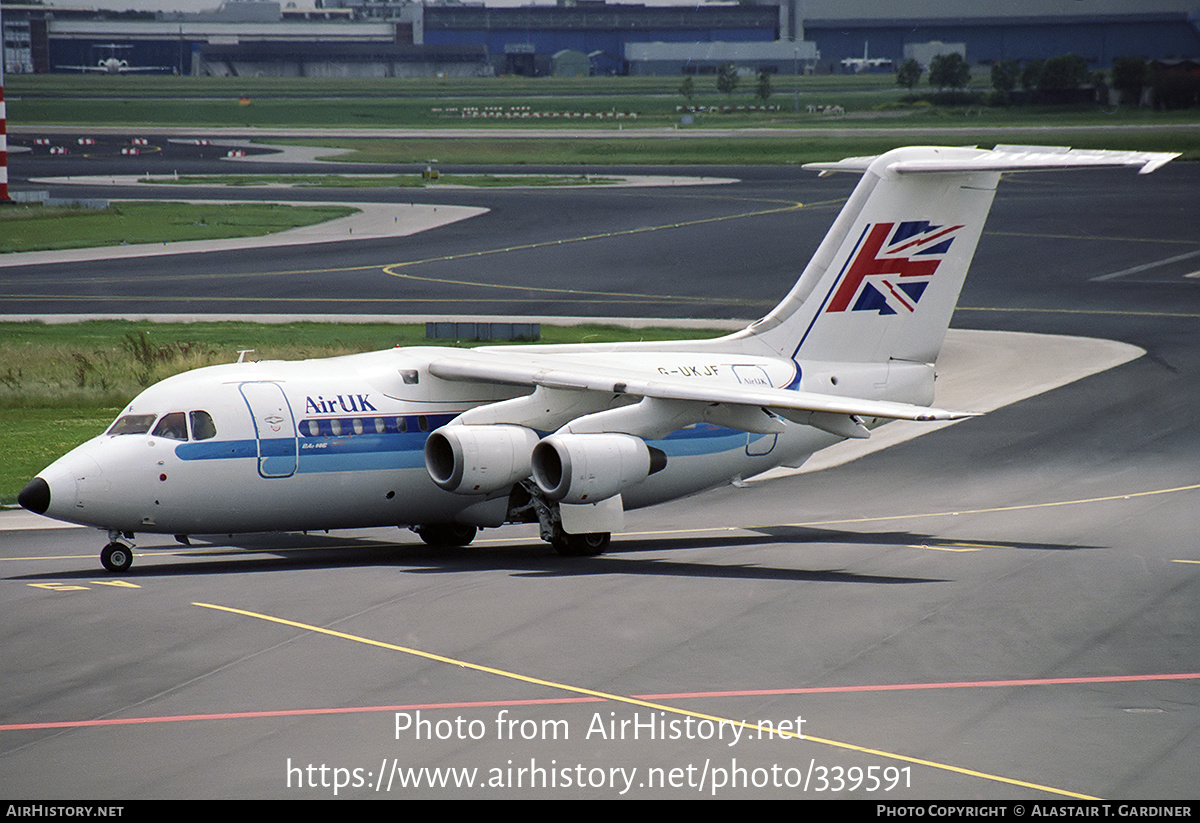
35	496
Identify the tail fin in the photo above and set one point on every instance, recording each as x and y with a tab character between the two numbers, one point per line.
883	284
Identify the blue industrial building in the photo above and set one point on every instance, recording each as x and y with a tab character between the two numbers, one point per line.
401	37
1098	38
519	37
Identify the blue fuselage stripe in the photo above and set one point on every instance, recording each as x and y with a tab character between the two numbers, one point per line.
367	452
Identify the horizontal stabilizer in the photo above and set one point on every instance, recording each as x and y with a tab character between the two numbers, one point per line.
1007	159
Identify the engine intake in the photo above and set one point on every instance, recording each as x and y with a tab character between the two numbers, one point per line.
478	459
588	468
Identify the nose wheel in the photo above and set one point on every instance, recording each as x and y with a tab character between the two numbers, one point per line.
116	557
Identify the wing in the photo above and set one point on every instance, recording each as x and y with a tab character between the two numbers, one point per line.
747	407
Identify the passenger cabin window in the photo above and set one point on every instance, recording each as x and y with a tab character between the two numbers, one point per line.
203	427
172	426
357	426
132	424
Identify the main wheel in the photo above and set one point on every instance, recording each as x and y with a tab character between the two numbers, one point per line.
447	534
116	557
581	545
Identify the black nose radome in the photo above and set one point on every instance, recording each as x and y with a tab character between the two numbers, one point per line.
35	496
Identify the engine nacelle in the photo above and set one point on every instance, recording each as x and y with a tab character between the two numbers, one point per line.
479	459
588	468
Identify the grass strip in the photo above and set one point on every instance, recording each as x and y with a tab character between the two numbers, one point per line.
37	228
700	151
354	181
866	101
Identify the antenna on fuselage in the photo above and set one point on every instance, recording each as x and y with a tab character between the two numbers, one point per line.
242	354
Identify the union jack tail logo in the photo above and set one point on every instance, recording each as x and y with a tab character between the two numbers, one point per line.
893	267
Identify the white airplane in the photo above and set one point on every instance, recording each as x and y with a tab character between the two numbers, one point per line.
446	441
855	65
113	64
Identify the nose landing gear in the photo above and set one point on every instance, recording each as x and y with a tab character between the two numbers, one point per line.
117	556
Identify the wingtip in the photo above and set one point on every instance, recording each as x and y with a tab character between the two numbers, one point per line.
1158	162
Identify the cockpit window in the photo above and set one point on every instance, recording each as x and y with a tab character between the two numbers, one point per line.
203	427
172	426
132	424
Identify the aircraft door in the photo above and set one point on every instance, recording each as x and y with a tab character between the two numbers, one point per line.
274	427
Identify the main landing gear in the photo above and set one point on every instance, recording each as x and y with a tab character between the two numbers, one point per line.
117	556
580	545
446	534
568	545
528	504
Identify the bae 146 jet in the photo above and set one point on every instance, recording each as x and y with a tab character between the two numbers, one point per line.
446	441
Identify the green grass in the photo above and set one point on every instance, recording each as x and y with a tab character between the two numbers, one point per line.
869	101
541	93
874	109
775	150
447	89
36	228
380	180
36	437
61	384
106	362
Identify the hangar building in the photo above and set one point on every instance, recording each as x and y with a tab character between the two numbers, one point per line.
402	37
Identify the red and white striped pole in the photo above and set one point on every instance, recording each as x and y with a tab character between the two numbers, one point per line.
3	143
3	123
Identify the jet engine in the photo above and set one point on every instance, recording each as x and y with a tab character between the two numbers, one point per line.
588	468
478	459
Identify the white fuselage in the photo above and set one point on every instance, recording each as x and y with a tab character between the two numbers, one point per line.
338	443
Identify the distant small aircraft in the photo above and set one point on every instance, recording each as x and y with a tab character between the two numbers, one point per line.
856	65
445	441
113	64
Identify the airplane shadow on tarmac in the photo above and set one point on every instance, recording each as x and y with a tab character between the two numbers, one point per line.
291	552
